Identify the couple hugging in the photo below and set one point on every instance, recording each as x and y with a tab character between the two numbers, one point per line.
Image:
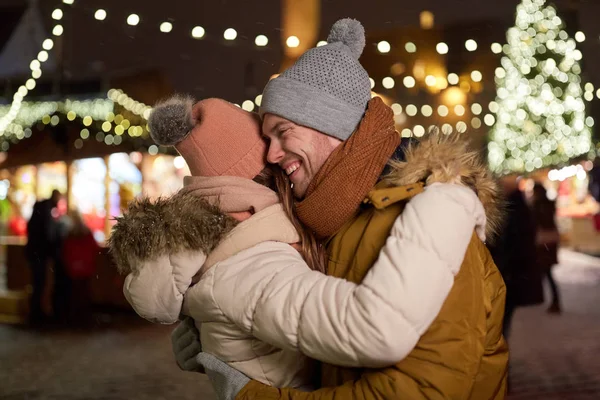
313	254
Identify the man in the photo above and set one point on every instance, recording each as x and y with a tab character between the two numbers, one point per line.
42	231
334	142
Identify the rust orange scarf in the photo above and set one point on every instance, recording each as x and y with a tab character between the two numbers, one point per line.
338	189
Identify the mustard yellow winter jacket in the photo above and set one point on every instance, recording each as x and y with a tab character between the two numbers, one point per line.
463	354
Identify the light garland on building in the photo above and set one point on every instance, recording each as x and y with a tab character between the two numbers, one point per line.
540	112
7	118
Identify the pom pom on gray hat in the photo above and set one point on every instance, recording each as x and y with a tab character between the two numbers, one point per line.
171	120
351	33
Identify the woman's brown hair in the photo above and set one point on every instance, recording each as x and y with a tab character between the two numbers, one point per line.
311	249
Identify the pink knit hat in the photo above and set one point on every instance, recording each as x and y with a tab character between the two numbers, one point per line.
215	137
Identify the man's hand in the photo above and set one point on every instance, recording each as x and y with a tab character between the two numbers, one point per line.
185	340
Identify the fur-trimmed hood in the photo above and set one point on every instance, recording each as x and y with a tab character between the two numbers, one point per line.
447	159
151	228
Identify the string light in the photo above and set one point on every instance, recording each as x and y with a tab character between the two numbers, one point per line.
409	82
372	81
198	32
476	76
166	27
57	14
230	34
580	37
496	48
133	19
397	108
248	105
100	14
321	43
430	80
68	1
388	82
411	110
261	40
539	118
442	48
57	30
258	100
426	110
453	79
419	130
410	47
292	41
384	47
471	45
442	111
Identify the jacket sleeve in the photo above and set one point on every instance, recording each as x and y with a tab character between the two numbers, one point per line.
156	290
373	324
430	372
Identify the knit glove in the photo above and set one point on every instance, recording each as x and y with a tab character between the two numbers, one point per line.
226	381
186	344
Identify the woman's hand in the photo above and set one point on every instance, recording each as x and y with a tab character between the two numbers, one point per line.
186	344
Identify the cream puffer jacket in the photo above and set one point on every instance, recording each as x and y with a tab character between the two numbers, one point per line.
249	300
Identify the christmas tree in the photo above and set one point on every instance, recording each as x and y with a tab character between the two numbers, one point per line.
540	110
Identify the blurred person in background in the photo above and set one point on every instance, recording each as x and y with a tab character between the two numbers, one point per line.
42	235
547	239
515	253
79	254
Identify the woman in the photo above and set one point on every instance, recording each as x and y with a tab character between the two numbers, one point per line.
547	240
220	251
79	254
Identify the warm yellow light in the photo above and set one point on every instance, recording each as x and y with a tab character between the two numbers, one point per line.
410	47
580	36
471	45
248	105
198	32
409	82
388	82
106	126
430	80
384	47
57	30
443	111
230	34
426	110
261	40
292	41
48	44
42	56
321	43
87	120
133	19
496	48
427	19
411	110
453	96
100	15
57	14
419	130
453	79
476	76
30	84
442	48
71	115
459	110
166	27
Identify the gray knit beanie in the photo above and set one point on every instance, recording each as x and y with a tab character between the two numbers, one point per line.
326	89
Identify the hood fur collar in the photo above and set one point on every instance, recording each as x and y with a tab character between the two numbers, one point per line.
447	159
151	228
